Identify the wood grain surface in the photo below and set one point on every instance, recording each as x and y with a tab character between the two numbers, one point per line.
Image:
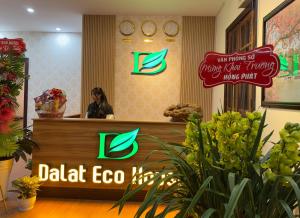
75	142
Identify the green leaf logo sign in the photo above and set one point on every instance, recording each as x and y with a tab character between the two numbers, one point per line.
120	143
151	61
154	59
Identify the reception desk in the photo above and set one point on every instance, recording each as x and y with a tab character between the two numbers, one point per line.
96	159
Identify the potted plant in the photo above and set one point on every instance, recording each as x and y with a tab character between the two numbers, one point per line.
11	81
220	171
14	145
27	188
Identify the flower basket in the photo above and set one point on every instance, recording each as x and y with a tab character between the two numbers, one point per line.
51	104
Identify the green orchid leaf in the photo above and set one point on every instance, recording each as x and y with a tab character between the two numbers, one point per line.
154	59
208	213
123	141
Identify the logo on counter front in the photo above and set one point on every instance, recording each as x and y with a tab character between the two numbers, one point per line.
153	63
121	146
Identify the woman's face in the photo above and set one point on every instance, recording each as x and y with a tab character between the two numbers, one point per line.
96	97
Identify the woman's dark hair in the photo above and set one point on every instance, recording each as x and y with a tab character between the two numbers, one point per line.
97	91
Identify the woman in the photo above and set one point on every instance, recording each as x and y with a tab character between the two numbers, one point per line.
100	107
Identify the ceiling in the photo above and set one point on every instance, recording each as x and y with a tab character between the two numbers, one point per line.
66	14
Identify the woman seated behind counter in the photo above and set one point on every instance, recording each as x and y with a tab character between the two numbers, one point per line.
100	107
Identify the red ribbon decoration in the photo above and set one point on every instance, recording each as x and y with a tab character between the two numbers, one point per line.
12	45
256	67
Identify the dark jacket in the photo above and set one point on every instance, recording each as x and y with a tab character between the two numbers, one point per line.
99	111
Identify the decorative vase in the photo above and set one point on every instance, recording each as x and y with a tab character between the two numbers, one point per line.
5	169
26	204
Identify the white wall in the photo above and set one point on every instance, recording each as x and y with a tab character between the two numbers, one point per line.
54	62
276	118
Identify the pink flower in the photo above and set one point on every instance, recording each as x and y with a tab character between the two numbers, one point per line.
5	102
4	90
11	76
6	114
4	127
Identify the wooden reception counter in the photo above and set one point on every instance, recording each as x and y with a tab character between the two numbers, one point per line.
95	159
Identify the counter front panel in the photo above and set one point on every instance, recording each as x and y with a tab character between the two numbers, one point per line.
96	158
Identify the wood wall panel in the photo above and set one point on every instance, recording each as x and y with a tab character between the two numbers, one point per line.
98	56
197	38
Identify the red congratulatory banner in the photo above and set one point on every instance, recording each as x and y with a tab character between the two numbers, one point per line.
256	67
12	45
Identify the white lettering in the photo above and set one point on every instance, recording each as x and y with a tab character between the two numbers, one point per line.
252	65
230	67
73	175
96	174
62	173
54	175
231	77
237	58
134	175
107	173
249	76
119	177
148	176
81	173
43	172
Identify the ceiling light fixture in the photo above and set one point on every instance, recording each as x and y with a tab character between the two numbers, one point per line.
30	10
58	29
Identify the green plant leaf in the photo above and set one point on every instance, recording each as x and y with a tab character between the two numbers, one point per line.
295	188
154	59
231	180
198	195
208	213
266	139
234	198
287	209
123	141
258	137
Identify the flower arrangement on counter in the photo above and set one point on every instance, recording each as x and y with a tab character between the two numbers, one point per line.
51	104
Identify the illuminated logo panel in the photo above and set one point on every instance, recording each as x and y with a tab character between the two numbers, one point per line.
153	63
119	147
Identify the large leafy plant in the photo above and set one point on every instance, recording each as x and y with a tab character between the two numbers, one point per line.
220	171
14	141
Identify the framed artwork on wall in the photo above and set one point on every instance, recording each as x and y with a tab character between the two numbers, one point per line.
282	30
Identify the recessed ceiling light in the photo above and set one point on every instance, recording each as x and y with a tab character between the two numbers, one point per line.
30	10
58	29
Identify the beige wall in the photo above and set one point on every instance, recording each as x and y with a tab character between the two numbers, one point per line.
140	97
276	118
